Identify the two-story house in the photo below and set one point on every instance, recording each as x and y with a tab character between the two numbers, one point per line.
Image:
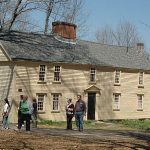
113	80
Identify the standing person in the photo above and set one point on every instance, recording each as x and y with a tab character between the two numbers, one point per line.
80	111
69	113
26	111
34	113
5	114
19	111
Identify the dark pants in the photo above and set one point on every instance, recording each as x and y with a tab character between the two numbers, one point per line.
69	121
25	117
19	118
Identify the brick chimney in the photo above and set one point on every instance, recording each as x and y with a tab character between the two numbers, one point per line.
140	47
64	30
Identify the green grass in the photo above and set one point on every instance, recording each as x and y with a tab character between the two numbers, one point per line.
136	124
62	124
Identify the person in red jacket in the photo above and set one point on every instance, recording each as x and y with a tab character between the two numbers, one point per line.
69	113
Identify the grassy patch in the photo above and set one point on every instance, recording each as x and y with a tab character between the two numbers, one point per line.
136	124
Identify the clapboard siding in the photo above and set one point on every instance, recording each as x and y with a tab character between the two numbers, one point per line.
6	83
75	79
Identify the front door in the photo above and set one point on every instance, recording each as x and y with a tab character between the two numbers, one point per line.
91	106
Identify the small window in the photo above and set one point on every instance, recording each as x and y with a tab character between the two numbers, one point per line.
93	75
116	101
117	77
57	73
40	102
141	78
140	102
42	73
56	99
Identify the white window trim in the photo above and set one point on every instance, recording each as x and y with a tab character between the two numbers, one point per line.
95	74
59	76
40	81
119	78
113	102
140	109
140	85
37	94
59	98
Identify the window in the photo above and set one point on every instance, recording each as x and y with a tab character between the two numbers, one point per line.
116	101
117	77
40	102
93	75
56	102
57	73
140	101
141	78
42	73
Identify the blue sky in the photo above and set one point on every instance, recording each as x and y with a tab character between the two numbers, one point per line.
112	12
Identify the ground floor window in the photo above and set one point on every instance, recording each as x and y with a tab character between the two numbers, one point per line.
116	101
140	101
55	101
40	102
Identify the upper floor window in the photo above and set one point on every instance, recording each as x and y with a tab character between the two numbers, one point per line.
56	99
141	74
116	101
42	73
117	76
93	75
57	73
140	101
40	102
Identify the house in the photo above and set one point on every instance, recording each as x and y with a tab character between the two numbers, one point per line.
113	80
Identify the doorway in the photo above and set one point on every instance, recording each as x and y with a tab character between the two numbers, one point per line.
91	106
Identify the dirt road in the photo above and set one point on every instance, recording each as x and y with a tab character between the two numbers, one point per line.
60	139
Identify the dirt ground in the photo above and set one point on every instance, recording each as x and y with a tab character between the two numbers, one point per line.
60	139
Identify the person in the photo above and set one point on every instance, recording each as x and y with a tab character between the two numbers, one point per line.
34	113
80	112
26	111
5	114
19	111
69	113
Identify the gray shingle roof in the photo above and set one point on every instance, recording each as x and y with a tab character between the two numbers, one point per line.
37	47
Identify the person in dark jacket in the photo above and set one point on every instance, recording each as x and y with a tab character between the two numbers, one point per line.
69	113
80	112
34	113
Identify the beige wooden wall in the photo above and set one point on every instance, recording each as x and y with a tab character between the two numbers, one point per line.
75	79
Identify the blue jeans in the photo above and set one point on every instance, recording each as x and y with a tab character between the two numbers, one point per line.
79	120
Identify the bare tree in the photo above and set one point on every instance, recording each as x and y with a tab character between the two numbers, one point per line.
11	12
105	35
125	35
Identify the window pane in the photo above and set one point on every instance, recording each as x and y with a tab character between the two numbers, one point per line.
117	77
40	102
57	73
55	102
93	74
42	73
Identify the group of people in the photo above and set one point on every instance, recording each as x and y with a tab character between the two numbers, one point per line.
27	111
78	110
